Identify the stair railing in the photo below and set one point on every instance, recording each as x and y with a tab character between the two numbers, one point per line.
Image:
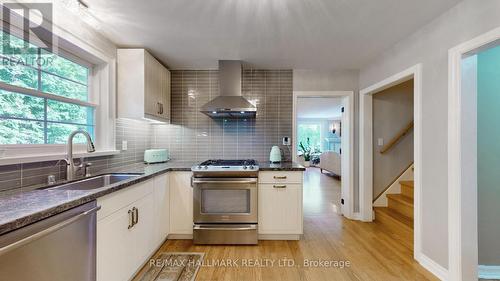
397	138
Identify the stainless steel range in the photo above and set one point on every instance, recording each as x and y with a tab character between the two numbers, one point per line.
225	202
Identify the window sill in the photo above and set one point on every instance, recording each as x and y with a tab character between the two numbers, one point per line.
50	157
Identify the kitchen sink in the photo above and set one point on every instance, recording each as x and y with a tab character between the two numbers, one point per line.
93	182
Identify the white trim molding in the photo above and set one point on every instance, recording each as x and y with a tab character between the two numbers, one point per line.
55	155
347	148
366	148
436	269
460	201
489	272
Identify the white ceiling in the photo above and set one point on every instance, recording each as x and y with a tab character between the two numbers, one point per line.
299	34
319	108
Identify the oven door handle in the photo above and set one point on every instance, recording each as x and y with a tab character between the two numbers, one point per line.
250	227
218	181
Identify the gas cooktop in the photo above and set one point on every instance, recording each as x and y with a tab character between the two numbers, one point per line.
221	167
220	162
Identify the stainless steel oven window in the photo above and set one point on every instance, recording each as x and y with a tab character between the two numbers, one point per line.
224	201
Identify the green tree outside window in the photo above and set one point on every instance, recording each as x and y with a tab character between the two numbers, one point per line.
29	119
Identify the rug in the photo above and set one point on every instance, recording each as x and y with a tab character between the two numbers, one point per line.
170	266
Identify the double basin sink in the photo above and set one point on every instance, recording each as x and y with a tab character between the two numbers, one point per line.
93	182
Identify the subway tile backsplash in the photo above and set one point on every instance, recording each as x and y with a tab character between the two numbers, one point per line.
191	136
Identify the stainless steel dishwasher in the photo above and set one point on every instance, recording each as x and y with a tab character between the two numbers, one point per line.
59	248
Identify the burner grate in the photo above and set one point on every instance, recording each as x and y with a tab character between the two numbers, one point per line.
221	162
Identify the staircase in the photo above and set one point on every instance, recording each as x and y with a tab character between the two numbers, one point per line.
399	213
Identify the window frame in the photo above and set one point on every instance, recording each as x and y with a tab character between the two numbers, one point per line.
101	79
39	93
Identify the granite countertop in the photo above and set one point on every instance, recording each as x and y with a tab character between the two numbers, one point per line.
26	207
283	166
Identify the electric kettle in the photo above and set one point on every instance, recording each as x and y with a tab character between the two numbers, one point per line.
275	155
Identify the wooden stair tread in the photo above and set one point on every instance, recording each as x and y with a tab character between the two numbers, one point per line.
393	216
407	183
407	188
400	198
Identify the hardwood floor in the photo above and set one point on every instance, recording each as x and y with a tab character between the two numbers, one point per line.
374	251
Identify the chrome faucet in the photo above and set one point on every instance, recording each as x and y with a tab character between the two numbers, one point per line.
71	168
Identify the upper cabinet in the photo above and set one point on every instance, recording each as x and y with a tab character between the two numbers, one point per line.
143	86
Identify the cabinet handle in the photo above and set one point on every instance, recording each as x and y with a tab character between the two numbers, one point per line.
136	211
279	177
130	219
158	107
279	186
161	108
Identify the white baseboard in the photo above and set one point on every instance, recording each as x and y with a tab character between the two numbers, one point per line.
436	269
180	236
279	236
356	216
489	272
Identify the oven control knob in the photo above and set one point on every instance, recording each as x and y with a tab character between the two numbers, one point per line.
251	167
206	167
245	167
199	167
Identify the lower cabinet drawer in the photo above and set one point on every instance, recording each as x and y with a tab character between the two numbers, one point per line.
222	234
280	177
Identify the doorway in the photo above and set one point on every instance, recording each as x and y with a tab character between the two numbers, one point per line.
473	145
323	139
393	146
366	149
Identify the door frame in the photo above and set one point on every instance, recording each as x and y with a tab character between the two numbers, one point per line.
366	148
347	183
462	180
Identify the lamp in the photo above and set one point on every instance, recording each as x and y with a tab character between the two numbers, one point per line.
333	128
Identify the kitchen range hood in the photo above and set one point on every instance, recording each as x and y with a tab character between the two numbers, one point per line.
230	103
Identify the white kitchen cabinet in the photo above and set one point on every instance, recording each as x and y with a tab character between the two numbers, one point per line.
114	242
162	208
280	204
142	234
181	205
122	246
143	86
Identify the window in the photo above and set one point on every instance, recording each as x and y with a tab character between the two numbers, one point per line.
311	131
43	96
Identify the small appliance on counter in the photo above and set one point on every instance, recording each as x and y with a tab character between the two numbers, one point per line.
275	155
152	156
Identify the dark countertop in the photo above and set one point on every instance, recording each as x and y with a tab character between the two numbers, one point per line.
26	207
283	166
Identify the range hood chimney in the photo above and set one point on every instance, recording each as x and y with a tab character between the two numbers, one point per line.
230	103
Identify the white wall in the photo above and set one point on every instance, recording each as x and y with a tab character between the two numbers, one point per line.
325	80
429	46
